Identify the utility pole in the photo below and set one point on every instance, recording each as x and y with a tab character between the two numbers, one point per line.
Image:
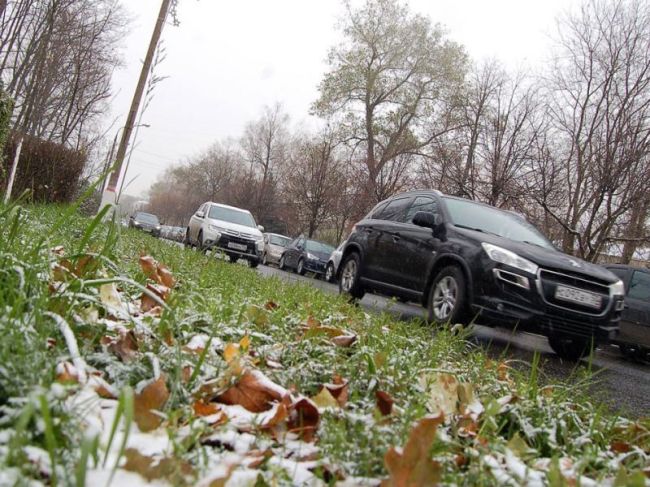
109	194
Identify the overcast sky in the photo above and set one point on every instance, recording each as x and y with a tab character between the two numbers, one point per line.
230	58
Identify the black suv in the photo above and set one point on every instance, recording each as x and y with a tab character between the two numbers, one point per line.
464	260
634	335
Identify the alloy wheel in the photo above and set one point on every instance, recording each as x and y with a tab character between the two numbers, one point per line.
329	273
348	275
445	296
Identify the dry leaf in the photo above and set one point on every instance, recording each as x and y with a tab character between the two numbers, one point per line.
324	399
270	306
66	373
413	465
110	297
304	418
152	398
258	316
125	346
344	340
620	446
85	265
147	302
339	390
384	402
253	391
443	392
201	408
168	468
165	277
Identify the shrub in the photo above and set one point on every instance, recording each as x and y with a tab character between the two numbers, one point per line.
48	170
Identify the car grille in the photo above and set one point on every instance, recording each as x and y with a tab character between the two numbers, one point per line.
549	281
233	233
227	238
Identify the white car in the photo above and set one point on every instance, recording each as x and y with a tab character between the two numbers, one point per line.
228	229
333	263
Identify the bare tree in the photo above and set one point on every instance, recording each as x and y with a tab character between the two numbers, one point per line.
391	86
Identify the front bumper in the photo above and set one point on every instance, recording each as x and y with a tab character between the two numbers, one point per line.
507	296
315	266
232	245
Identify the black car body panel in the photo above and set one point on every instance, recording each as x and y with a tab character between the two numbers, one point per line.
313	254
146	222
635	320
402	259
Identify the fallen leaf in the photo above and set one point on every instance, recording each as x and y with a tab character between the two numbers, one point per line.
124	346
256	315
201	408
85	265
304	418
620	446
172	469
413	465
344	340
166	277
442	389
109	296
153	397
66	373
384	402
147	302
270	306
324	399
253	391
339	390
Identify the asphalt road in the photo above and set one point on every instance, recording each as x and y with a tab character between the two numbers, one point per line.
622	384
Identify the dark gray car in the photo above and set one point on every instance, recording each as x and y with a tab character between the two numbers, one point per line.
634	333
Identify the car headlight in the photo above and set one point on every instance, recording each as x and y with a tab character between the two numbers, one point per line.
311	256
507	257
617	289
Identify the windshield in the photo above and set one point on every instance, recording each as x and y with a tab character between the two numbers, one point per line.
232	216
281	241
467	214
314	246
146	218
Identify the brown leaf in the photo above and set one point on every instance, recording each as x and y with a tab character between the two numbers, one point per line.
339	390
384	402
125	346
324	399
66	373
156	272
413	465
270	306
344	340
165	276
253	391
620	446
280	414
304	418
152	398
147	302
168	468
85	265
205	409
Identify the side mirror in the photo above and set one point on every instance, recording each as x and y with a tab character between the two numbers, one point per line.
427	219
260	228
200	214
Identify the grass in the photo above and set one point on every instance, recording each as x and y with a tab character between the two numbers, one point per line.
509	425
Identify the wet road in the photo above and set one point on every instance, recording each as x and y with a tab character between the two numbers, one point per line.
622	384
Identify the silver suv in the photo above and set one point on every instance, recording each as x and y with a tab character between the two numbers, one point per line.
228	229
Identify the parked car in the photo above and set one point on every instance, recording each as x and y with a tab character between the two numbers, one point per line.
274	245
306	255
333	263
634	334
146	222
172	233
226	228
465	260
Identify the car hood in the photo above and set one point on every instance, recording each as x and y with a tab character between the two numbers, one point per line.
321	255
234	227
547	258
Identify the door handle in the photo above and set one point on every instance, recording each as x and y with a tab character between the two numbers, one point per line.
396	236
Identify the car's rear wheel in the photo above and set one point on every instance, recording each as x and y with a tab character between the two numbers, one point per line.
447	301
329	272
350	282
301	267
264	261
570	347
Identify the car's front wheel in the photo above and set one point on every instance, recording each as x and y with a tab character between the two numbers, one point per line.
186	240
350	282
569	347
282	264
447	301
264	261
253	263
329	273
301	267
233	258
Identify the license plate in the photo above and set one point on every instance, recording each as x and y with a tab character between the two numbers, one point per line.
574	295
236	246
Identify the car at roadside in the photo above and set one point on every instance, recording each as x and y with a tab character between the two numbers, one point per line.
634	335
466	261
306	255
333	263
227	229
172	233
274	246
146	222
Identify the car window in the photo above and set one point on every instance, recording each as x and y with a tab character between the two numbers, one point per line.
421	203
374	214
278	240
231	215
640	286
147	218
395	210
